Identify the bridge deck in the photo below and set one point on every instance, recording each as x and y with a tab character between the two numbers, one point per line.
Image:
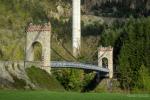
58	64
64	64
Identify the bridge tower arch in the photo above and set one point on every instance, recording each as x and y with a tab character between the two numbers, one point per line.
42	35
105	59
37	51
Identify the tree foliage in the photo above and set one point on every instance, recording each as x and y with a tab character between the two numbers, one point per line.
73	79
131	44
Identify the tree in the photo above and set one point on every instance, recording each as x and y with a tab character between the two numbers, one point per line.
144	78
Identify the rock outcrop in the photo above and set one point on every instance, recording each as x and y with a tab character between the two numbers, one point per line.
9	70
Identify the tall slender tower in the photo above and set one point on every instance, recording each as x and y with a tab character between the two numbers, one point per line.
76	28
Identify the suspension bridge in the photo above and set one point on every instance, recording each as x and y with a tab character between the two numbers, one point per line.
77	65
41	34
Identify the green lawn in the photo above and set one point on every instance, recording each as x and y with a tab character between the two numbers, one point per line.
46	95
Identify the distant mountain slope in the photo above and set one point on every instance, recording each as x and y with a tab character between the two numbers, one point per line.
117	8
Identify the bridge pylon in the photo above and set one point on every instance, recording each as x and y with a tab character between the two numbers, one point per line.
105	59
39	34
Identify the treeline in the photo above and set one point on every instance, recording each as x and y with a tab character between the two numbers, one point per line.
131	42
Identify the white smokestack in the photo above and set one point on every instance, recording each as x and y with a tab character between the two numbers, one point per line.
76	27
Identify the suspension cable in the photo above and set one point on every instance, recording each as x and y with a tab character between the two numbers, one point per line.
59	54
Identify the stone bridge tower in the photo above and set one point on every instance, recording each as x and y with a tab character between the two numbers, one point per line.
42	35
105	59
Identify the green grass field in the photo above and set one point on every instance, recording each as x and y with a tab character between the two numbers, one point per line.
46	95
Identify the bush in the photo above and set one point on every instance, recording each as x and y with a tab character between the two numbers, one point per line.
73	79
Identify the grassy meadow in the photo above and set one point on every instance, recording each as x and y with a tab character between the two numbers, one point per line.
47	95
